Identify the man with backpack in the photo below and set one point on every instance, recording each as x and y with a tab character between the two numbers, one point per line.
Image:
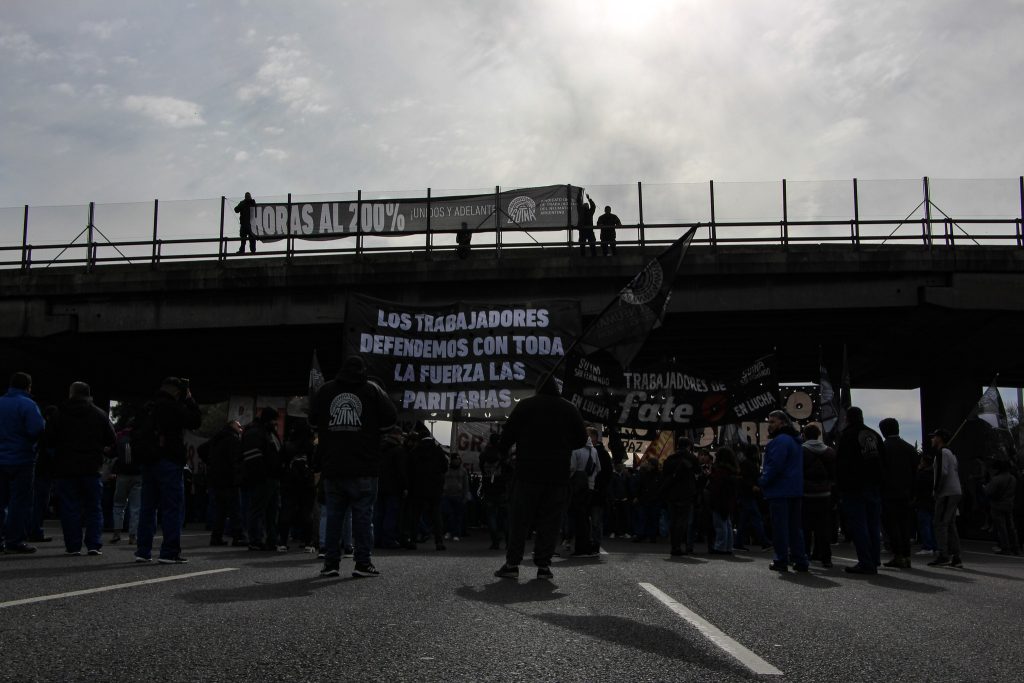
128	486
158	441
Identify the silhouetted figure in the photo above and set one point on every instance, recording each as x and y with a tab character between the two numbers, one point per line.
463	238
608	222
585	223
245	223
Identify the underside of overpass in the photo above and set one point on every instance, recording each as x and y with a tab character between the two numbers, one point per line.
938	318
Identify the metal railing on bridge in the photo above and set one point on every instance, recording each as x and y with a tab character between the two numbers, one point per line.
928	212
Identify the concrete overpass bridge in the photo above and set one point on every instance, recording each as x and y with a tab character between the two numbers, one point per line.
940	317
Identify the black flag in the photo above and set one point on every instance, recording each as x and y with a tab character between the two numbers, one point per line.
595	362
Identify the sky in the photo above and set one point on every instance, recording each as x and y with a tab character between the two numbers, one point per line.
126	101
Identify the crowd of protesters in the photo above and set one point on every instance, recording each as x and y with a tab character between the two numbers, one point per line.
350	479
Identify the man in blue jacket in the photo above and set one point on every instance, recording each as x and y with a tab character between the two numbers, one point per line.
21	425
782	484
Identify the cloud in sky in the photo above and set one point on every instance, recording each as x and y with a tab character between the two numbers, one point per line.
460	94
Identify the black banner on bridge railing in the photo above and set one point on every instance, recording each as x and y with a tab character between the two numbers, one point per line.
462	361
525	209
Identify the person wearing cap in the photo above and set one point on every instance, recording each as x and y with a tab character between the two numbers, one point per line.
947	499
21	425
351	414
261	478
1000	491
168	415
81	435
899	474
782	485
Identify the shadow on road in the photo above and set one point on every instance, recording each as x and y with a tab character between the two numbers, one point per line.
300	588
809	580
508	592
656	640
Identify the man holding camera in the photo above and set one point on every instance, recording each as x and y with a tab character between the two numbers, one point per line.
159	443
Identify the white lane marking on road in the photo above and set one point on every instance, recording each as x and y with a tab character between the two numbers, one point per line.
740	653
103	589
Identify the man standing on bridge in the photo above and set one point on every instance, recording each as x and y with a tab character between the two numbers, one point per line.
243	209
585	222
545	429
608	222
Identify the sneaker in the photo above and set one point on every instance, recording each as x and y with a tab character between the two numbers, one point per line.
364	570
858	569
939	561
72	553
178	559
894	563
544	573
448	537
139	559
116	538
330	569
282	548
780	567
456	539
507	571
255	546
955	562
94	552
925	551
321	556
347	553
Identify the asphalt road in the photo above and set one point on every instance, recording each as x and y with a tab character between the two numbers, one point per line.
234	615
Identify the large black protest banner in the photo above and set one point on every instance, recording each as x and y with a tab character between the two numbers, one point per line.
462	361
597	360
531	208
673	398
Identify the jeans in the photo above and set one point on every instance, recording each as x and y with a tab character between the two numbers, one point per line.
40	504
264	501
749	523
385	521
863	513
225	507
163	487
787	531
946	533
926	530
596	523
538	506
817	520
16	496
723	533
357	494
1006	530
497	519
127	494
681	515
81	501
579	518
454	509
898	523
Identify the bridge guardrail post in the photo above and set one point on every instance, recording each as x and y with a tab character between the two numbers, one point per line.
785	215
221	251
855	224
1020	235
359	223
497	221
156	221
25	260
713	226
568	217
429	237
926	227
640	204
288	239
90	246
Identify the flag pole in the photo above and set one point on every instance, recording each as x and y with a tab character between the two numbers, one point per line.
688	234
